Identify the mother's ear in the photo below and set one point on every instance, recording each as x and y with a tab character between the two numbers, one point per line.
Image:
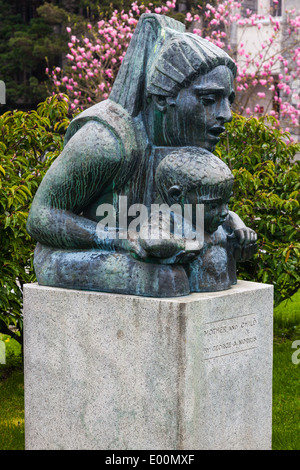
161	102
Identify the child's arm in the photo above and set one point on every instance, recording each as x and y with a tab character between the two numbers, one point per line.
245	235
164	246
157	240
245	245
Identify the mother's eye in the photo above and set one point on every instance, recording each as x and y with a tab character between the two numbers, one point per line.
208	99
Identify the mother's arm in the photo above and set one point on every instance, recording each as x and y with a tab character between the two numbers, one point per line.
90	162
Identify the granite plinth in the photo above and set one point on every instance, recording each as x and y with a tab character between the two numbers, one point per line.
112	371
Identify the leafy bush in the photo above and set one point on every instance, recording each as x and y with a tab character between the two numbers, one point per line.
30	141
266	197
13	356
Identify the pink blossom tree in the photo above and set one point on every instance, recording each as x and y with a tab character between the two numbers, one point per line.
94	59
266	50
266	73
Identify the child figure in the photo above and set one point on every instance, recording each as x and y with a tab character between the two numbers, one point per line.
195	176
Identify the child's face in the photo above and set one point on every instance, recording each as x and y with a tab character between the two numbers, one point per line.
215	213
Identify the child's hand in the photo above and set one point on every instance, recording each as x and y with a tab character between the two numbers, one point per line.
246	246
245	235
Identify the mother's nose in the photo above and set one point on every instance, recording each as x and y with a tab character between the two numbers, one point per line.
224	111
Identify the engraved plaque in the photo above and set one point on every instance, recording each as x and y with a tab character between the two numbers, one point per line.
230	336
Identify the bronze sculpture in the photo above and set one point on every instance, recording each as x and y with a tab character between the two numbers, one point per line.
173	91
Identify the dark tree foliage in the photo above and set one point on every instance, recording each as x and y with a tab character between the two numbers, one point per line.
26	38
33	35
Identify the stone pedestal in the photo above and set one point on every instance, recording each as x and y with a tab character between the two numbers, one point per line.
111	371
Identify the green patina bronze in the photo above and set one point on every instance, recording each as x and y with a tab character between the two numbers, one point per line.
167	108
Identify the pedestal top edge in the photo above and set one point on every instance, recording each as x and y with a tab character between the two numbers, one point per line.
240	287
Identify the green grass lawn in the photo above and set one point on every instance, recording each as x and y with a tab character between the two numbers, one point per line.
286	383
286	387
286	399
11	397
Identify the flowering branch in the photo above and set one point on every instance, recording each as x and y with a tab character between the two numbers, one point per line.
265	72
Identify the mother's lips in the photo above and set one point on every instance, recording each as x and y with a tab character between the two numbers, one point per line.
216	130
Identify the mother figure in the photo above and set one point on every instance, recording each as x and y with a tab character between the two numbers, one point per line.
174	89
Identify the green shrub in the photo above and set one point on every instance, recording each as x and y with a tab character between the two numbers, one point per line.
29	143
266	197
13	357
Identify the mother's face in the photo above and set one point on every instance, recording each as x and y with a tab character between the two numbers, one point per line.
197	115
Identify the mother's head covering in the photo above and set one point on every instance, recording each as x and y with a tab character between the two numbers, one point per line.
160	59
180	60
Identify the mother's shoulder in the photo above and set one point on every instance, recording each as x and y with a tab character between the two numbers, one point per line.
111	115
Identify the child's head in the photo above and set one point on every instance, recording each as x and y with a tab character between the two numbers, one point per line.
196	176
